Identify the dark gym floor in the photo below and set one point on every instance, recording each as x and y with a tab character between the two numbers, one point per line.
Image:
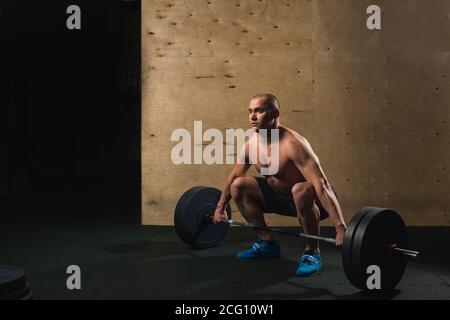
120	259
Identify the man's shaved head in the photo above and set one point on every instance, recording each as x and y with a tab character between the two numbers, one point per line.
264	111
268	100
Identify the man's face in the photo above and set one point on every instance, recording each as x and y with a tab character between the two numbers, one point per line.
259	116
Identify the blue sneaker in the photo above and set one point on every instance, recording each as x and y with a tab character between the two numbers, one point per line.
310	264
261	249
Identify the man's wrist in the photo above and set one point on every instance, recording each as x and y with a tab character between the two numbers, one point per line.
341	225
220	206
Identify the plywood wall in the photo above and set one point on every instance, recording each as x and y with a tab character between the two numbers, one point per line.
373	103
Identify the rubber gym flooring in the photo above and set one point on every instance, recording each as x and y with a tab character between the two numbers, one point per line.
124	261
120	259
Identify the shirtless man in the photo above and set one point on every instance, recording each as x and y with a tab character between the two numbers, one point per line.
299	188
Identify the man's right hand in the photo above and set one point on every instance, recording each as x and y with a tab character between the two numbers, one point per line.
220	215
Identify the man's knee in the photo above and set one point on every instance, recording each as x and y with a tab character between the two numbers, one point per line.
303	194
238	187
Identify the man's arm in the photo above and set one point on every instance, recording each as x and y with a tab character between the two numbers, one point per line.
301	153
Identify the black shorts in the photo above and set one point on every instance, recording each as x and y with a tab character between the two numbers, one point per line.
281	205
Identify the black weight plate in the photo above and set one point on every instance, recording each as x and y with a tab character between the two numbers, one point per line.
183	226
18	295
377	230
190	222
12	279
348	244
209	234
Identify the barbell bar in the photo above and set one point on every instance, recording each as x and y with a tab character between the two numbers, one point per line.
409	254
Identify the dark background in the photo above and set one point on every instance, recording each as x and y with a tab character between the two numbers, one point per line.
70	107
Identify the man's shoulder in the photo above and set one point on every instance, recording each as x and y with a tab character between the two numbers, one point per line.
296	146
293	138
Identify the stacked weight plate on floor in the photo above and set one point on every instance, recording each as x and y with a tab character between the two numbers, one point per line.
369	240
13	284
191	218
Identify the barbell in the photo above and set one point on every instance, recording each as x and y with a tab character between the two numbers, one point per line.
374	236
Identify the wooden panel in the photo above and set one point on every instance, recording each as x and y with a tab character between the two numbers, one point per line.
373	104
384	98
